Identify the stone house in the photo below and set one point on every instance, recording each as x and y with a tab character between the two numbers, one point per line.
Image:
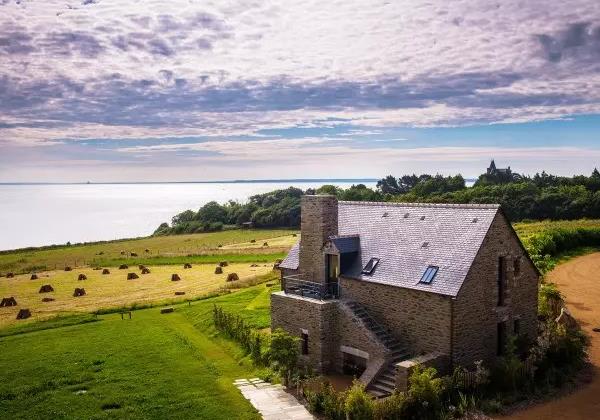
371	289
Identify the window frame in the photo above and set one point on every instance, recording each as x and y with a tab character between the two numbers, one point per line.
430	274
375	262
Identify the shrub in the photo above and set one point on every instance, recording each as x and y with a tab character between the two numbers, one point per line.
425	393
359	405
284	352
391	408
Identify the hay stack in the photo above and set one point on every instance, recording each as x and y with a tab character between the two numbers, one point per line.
294	235
232	277
223	264
265	244
187	265
179	293
46	288
106	271
218	270
252	241
67	268
101	253
82	277
166	310
145	270
79	292
132	276
123	267
175	277
47	299
10	275
34	276
24	314
141	266
220	246
146	250
9	301
133	254
122	252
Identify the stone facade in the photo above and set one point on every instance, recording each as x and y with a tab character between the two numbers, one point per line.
319	221
418	319
476	312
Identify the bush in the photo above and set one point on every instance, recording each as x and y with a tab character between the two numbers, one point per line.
425	395
391	408
284	352
359	405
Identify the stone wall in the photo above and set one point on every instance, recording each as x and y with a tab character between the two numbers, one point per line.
419	320
319	221
318	318
476	313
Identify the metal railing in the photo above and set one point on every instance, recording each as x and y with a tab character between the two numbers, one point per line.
294	284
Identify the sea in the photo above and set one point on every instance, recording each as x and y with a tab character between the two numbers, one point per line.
46	214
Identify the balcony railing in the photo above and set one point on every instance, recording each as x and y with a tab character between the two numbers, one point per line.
296	285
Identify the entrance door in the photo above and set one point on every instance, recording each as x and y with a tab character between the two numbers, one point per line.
333	272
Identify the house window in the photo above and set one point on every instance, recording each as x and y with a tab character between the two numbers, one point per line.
429	274
516	326
517	266
370	267
304	341
500	338
501	279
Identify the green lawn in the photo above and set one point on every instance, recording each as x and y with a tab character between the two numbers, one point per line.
153	366
161	250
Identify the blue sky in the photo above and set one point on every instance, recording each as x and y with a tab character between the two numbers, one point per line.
108	90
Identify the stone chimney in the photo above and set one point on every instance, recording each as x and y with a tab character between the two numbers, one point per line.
319	221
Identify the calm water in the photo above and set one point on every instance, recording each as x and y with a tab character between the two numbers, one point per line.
34	215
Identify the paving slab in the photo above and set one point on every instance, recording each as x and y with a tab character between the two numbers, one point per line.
271	401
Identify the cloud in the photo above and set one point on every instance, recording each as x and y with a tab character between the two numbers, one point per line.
110	69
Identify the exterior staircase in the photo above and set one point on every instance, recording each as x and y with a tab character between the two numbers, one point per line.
385	381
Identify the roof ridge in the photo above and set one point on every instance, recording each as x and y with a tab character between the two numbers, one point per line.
433	205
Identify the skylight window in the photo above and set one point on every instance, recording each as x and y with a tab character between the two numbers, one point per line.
370	266
425	245
475	220
422	217
406	215
429	274
385	214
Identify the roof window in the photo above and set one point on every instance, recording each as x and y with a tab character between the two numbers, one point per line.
429	274
425	245
475	220
406	215
370	266
386	214
422	217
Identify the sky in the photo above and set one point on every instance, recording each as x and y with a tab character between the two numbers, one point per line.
185	90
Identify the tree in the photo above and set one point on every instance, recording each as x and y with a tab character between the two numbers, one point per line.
184	217
212	212
284	352
388	185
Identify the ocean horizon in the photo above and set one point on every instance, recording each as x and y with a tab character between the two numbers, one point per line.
41	214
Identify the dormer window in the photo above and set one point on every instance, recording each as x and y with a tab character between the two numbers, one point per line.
429	274
370	266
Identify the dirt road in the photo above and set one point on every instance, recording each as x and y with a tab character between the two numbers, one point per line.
579	282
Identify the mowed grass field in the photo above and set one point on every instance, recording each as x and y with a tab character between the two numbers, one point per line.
114	290
201	247
152	366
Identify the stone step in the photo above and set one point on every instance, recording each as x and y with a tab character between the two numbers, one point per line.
387	382
382	387
377	394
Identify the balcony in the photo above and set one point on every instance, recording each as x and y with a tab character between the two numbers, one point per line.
296	285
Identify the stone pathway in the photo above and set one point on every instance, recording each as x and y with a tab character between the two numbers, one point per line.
272	402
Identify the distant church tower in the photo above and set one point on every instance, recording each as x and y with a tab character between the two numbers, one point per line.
492	169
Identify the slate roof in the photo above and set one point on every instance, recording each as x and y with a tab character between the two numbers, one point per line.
293	258
347	243
453	233
398	240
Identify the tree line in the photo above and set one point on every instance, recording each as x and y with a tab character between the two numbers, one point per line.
539	197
